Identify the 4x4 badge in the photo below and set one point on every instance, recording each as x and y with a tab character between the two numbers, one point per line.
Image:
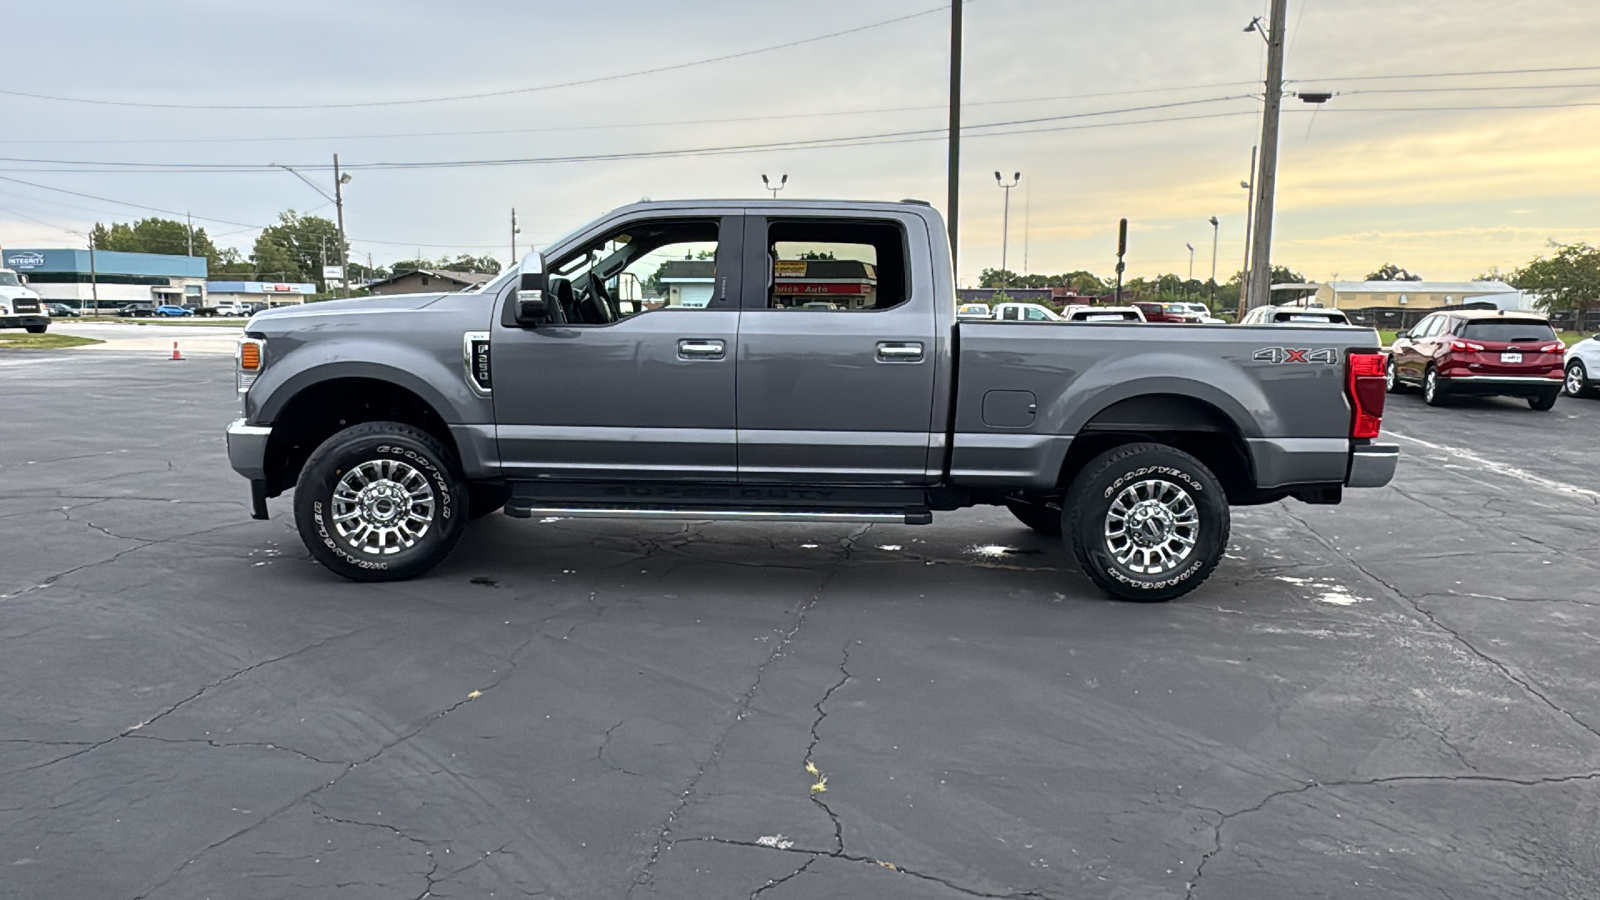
1280	355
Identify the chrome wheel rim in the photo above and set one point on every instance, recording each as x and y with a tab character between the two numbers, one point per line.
1431	386
1388	375
1575	381
383	506
1151	527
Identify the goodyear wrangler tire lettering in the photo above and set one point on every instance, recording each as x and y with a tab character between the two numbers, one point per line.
390	477
1146	521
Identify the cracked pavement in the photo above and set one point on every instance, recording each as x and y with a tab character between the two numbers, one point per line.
1395	697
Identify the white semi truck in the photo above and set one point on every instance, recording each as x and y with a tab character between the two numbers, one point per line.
19	306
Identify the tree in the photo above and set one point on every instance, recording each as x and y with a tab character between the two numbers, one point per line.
306	239
1569	279
1392	272
153	235
230	262
275	262
412	265
485	264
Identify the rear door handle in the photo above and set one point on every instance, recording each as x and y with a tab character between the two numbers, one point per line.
899	351
691	348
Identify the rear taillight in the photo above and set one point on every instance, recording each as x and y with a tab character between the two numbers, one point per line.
1368	389
1465	347
1557	347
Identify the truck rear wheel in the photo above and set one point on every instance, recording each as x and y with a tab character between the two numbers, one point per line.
1147	521
1035	514
380	501
38	329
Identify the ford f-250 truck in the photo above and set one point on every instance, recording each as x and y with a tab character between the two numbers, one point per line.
786	360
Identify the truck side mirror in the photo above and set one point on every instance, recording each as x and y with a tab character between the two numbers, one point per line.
532	310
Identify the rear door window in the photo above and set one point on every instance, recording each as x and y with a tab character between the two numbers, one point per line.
1509	331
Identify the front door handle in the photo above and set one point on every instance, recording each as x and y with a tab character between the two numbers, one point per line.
898	351
690	348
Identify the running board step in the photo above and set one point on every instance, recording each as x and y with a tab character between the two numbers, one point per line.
567	511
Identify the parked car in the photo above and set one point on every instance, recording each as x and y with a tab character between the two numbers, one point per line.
62	311
1203	311
1025	312
1484	352
1103	314
973	311
1166	312
170	311
396	419
1294	315
1583	367
231	309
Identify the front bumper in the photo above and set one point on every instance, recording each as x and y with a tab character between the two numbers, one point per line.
247	449
1372	465
26	320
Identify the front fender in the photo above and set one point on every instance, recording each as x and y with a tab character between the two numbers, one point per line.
439	378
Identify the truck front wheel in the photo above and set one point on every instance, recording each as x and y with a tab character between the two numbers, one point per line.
1146	521
380	501
38	329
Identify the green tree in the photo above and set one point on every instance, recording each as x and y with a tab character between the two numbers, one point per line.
1392	272
307	239
230	263
466	262
153	235
274	262
413	265
1568	279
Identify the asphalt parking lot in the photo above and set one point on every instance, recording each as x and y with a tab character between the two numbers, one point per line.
1398	697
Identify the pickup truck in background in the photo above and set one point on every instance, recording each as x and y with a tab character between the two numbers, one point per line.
725	393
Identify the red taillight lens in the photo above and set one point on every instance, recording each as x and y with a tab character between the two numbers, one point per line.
1557	347
1465	347
1368	390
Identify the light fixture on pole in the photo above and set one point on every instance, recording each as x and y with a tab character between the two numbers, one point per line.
1005	228
1216	230
782	183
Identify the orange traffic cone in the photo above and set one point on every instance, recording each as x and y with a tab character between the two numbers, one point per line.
175	354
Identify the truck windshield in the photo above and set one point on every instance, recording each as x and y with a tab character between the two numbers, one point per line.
9	279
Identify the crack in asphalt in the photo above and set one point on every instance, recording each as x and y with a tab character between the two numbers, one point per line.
600	753
224	745
1225	817
774	882
816	797
1030	894
1504	669
741	708
130	730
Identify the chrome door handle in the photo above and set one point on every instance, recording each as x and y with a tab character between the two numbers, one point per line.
701	349
889	351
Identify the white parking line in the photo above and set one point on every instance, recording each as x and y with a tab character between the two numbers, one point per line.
1502	468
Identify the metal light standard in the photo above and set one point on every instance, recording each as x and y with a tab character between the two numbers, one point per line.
782	183
1191	269
1215	231
515	230
1005	228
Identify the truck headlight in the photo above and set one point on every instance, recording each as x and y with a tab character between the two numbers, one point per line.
250	358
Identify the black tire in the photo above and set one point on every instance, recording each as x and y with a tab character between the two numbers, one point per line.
1577	380
38	329
381	443
1545	400
483	499
1435	388
1039	516
1108	479
1391	373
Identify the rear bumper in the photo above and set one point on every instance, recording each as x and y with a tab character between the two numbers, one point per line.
247	449
1372	465
1510	385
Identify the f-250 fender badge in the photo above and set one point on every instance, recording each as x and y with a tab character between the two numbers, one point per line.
1280	355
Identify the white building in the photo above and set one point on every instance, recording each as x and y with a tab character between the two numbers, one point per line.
1418	294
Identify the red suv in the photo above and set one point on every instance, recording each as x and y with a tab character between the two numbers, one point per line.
1166	312
1484	352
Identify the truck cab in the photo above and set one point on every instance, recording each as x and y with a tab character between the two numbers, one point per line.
20	307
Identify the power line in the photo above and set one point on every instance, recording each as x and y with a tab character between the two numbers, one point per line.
486	94
1450	74
1453	90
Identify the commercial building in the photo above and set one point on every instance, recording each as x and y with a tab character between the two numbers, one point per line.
77	277
838	283
429	281
687	282
271	293
1418	294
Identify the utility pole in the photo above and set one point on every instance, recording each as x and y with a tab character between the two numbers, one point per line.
94	276
339	181
190	219
953	176
514	232
1005	227
1249	223
1122	250
1267	175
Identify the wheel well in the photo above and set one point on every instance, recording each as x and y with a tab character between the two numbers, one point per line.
1193	426
322	410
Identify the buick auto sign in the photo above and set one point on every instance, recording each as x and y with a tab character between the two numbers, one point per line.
25	260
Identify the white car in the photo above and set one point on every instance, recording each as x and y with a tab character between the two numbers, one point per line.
1103	314
1025	312
972	311
1583	367
1294	315
1204	312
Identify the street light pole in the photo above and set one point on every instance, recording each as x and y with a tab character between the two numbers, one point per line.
514	232
1005	228
1191	270
782	183
953	172
94	276
1267	175
1216	230
1249	223
339	181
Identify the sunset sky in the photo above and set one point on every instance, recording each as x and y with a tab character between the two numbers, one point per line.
1137	108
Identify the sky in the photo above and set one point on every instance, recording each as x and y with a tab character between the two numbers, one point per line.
1135	108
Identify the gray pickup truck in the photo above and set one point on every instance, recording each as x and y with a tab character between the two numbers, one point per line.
797	361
